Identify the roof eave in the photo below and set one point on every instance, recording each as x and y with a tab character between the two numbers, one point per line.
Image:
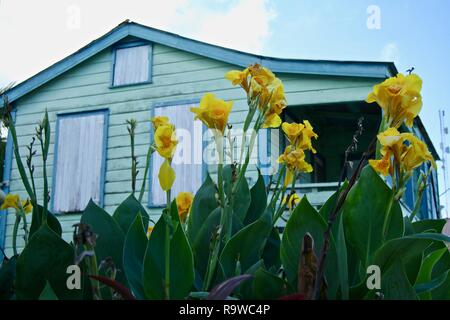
314	67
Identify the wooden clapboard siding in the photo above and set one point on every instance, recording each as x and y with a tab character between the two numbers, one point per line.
176	76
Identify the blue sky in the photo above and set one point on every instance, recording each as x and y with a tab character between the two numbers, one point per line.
412	33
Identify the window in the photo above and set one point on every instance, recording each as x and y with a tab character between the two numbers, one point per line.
132	65
187	160
79	161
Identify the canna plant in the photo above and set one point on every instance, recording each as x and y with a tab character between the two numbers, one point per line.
224	242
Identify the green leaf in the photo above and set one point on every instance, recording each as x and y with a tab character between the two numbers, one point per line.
7	277
202	244
426	269
203	205
181	264
304	219
341	253
133	255
48	293
395	284
431	285
246	246
426	225
258	202
45	258
241	199
338	233
127	211
405	249
364	213
110	237
267	286
271	253
36	221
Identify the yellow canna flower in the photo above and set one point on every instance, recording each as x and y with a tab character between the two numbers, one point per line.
166	176
305	137
165	140
382	166
261	75
294	158
292	130
292	202
149	231
238	77
213	112
11	201
272	120
159	121
416	153
399	97
184	202
406	150
27	206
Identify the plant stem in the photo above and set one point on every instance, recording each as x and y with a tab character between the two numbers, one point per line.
387	214
14	240
283	206
225	217
150	151
25	227
167	251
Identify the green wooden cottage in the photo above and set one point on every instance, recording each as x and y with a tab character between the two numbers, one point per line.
135	71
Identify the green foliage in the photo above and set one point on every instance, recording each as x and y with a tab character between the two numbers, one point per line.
127	211
133	255
44	259
110	239
365	216
181	263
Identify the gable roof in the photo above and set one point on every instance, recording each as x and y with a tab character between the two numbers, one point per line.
243	59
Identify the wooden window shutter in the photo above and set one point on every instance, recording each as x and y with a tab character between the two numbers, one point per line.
132	65
78	162
187	161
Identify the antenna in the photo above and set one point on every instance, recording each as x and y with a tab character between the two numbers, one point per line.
445	150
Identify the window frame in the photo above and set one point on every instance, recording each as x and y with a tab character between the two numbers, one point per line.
106	113
126	45
154	106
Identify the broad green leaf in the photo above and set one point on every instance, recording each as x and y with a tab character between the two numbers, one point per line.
258	202
426	225
305	219
395	284
364	214
133	255
7	277
341	247
241	198
267	286
246	246
45	258
203	205
426	269
405	249
341	254
48	293
442	291
202	244
435	283
181	264
110	237
127	211
36	220
271	253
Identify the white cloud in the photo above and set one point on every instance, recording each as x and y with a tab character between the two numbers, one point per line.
244	26
390	52
36	34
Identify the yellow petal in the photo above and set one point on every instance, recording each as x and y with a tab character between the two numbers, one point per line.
166	176
272	121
